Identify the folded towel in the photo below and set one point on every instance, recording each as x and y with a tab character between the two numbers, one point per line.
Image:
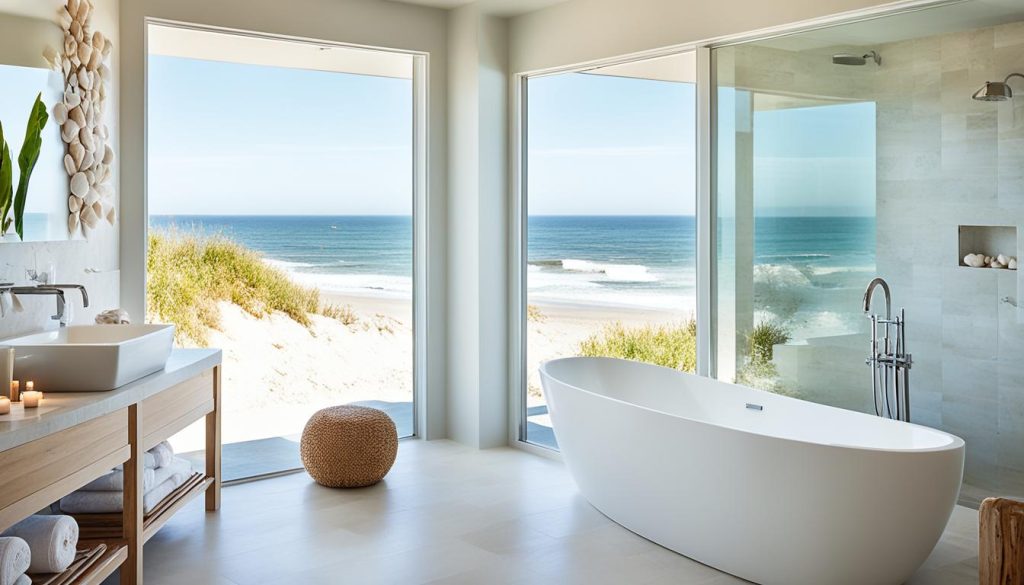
52	540
160	456
15	557
86	502
114	481
23	580
113	317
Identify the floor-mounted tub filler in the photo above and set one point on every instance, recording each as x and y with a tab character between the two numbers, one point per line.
776	490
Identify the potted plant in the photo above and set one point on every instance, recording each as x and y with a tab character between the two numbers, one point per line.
12	201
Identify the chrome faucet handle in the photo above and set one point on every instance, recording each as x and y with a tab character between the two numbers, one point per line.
78	287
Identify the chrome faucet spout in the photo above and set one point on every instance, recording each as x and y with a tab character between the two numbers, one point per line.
869	293
78	287
41	290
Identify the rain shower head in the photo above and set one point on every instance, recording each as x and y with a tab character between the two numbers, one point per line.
852	59
996	91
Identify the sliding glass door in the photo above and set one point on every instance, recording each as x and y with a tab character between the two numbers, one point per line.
609	221
281	229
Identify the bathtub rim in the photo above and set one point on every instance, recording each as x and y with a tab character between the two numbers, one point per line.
956	443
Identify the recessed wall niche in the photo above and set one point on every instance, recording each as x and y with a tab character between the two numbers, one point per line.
987	240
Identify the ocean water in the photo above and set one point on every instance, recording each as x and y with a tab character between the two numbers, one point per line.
646	261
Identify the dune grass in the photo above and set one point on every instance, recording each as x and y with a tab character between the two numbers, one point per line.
673	346
189	274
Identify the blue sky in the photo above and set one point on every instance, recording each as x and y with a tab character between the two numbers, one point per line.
235	139
226	138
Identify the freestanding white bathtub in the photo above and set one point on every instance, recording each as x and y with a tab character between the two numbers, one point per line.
793	493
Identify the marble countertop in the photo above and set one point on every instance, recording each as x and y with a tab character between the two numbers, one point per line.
62	410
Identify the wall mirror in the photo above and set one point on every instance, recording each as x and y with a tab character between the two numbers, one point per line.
27	27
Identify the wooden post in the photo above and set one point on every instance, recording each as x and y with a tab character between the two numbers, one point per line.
213	446
1001	541
132	512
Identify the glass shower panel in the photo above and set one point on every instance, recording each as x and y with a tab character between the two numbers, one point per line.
796	227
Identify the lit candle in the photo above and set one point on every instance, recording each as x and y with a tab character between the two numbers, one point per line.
31	398
5	405
29	386
15	391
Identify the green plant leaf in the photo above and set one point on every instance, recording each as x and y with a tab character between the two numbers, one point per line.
6	179
27	160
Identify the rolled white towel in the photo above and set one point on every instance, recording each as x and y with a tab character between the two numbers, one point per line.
24	580
160	456
15	557
52	539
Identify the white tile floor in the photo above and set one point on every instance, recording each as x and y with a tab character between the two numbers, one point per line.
445	514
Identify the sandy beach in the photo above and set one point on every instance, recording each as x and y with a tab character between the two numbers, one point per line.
277	372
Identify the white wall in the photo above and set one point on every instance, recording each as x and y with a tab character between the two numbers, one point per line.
93	263
585	30
363	22
477	210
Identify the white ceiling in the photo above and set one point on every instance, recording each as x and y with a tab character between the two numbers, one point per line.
680	67
251	50
912	25
45	9
496	7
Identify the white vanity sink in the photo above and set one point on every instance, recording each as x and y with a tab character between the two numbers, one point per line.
88	358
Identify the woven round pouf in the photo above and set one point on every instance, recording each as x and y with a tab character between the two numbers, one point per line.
349	446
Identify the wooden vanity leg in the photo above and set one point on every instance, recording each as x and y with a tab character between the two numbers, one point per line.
213	446
132	514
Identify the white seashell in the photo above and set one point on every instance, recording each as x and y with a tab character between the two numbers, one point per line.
88	216
111	215
91	177
108	48
988	259
53	58
69	164
105	191
92	197
974	260
74	203
84	52
107	174
64	18
86	136
70	47
76	30
73	80
97	210
79	184
60	113
73	223
73	6
86	105
78	116
105	131
95	60
66	67
996	264
71	98
104	73
84	79
1012	264
88	159
98	40
77	152
108	155
84	10
69	130
1002	259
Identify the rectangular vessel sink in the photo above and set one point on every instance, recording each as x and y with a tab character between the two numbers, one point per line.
89	358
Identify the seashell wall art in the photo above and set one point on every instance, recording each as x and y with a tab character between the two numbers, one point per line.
88	159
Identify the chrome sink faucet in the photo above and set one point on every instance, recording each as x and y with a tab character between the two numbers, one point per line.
55	290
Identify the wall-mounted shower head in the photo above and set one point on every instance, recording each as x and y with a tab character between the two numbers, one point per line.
852	59
996	91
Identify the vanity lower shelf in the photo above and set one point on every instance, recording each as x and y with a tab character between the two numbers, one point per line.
108	526
95	564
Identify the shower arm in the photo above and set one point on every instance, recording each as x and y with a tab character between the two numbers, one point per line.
1012	75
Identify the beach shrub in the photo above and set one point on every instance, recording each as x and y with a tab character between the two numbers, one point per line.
534	314
189	274
672	346
762	339
343	313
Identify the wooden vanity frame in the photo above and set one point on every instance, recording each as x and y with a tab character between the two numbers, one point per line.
36	473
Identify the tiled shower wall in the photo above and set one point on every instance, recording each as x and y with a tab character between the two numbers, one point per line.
943	160
946	160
